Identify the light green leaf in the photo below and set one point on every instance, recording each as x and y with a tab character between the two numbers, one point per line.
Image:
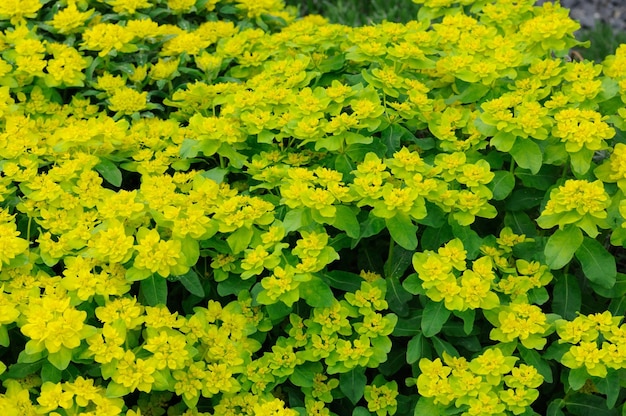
435	315
562	245
403	231
116	390
345	220
502	184
154	290
60	359
597	263
527	155
239	239
316	293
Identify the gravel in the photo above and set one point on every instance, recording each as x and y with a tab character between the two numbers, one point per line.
589	12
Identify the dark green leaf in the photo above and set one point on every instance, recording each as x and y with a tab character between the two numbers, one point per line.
408	327
597	263
567	297
110	172
588	405
352	384
610	387
50	373
617	291
435	315
543	180
399	261
346	281
554	408
520	223
442	346
524	199
191	282
397	297
21	370
415	348
361	411
154	290
392	138
433	238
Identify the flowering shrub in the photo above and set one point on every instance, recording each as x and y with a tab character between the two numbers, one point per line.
216	207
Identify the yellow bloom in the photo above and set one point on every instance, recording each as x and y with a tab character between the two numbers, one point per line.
128	101
70	19
18	10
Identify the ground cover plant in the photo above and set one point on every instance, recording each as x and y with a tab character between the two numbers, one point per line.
216	207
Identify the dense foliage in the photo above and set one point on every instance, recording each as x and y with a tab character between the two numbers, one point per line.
215	207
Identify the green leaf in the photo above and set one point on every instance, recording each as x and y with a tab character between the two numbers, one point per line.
425	406
239	239
433	238
352	384
442	346
610	386
597	263
554	408
110	172
116	390
524	199
60	359
415	348
51	373
399	261
191	282
617	291
303	374
435	315
577	378
344	164
397	297
21	370
502	184
408	327
468	316
316	293
532	357
361	411
154	290
346	281
413	284
588	405
562	245
527	154
392	138
520	223
567	297
543	180
403	231
345	220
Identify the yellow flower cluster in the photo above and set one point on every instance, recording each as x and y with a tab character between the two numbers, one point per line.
578	202
489	384
180	180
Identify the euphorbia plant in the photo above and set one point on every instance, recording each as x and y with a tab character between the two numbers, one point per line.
218	207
